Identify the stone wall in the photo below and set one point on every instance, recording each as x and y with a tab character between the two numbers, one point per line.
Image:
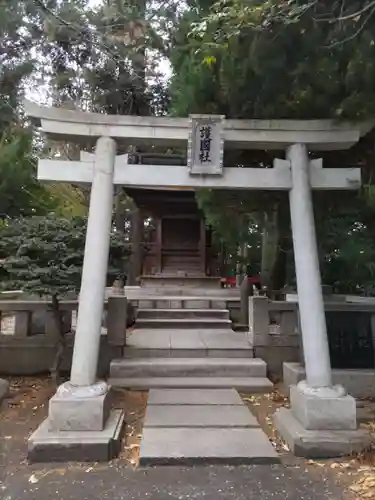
28	337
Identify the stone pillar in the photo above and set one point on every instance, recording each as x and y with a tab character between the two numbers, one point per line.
116	320
245	292
80	425
259	323
309	287
322	419
94	272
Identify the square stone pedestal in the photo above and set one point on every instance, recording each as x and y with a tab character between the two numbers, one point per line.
78	414
328	413
80	427
321	426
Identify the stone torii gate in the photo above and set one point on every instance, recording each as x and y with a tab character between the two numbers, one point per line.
79	414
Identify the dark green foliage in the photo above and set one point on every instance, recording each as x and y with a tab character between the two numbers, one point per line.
44	255
20	192
347	248
293	60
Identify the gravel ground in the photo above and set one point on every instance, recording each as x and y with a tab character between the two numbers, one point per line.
295	479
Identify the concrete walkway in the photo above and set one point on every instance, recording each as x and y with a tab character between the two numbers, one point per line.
191	426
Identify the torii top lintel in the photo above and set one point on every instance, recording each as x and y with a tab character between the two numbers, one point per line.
77	126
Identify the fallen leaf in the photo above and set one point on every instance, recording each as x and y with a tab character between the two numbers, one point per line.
364	468
131	446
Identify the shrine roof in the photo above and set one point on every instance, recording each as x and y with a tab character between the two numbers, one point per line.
83	128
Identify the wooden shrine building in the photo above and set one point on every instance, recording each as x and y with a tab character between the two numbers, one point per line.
179	244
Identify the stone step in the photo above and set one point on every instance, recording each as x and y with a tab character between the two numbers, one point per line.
188	367
180	303
249	385
239	327
196	281
189	446
175	266
183	313
196	323
186	258
188	352
199	416
180	292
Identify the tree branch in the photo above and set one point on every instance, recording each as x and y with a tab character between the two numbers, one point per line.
354	35
371	5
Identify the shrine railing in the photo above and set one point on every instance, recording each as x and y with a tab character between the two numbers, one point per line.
350	328
28	334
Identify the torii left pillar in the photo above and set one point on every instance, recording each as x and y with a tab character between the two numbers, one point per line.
80	425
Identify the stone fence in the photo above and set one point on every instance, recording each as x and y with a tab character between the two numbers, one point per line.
275	332
28	336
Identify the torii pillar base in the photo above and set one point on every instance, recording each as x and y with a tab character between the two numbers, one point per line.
80	427
47	445
321	423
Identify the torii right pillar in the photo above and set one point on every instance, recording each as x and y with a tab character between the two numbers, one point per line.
321	421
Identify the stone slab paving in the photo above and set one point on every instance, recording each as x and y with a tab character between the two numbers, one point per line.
187	341
202	426
199	416
194	397
189	446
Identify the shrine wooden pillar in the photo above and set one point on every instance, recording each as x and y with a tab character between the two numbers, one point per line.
136	258
202	246
159	245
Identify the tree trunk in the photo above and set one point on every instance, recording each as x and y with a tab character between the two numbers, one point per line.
120	213
284	245
270	238
277	242
61	341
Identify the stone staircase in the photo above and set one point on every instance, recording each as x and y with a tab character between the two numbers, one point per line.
183	318
188	343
